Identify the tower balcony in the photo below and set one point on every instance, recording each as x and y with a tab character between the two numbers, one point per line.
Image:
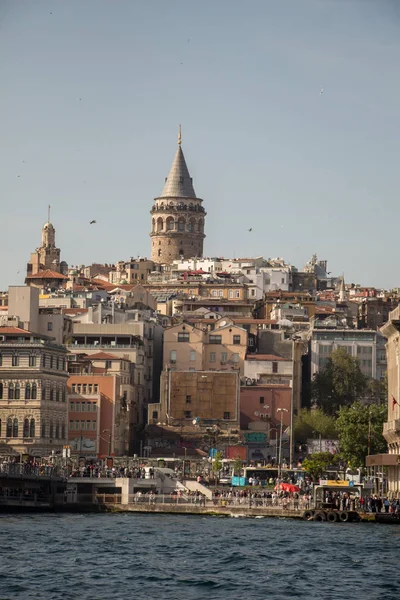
196	208
178	234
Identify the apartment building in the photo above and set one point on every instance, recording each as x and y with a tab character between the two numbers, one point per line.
33	394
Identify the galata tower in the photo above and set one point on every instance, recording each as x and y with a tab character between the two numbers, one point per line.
177	216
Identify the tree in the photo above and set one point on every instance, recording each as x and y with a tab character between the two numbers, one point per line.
217	465
339	383
309	422
237	465
360	432
377	391
318	463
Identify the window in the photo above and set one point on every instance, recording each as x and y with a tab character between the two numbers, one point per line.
192	355
224	357
94	407
227	415
76	425
71	406
57	431
212	356
84	388
94	425
87	425
11	391
188	399
74	387
17	394
172	356
63	395
1	360
15	360
77	406
90	388
236	339
187	414
230	294
32	428
57	395
0	427
9	427
83	409
235	358
28	391
51	362
108	364
253	292
96	388
215	339
262	400
89	406
43	429
63	436
15	428
183	336
82	425
274	367
51	430
1	391
32	361
51	394
49	326
26	428
34	391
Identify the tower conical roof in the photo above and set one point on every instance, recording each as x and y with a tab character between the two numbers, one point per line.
179	183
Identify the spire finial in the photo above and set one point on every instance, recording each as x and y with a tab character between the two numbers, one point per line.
180	136
48	213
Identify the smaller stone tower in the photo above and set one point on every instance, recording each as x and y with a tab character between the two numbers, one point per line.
177	216
47	256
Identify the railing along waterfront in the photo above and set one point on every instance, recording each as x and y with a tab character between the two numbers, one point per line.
200	501
21	469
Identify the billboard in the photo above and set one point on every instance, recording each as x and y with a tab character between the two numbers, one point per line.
315	446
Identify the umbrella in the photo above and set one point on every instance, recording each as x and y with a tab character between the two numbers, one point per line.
287	487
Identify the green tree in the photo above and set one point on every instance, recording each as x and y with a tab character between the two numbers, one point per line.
237	465
309	422
318	463
360	432
377	391
217	465
339	383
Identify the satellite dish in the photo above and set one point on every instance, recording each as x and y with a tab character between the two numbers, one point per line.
194	422
222	323
256	414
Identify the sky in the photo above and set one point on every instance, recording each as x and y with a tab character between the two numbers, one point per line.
93	91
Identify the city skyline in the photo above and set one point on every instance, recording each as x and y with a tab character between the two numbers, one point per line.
289	128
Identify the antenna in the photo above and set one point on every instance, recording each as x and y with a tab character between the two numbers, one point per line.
180	136
48	213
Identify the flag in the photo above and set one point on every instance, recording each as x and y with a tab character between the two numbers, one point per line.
394	402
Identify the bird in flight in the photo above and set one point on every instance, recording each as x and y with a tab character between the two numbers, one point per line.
92	222
251	229
321	91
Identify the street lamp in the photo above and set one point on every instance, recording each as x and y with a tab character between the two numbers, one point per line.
280	410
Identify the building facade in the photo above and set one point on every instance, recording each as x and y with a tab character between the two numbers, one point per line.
33	393
177	216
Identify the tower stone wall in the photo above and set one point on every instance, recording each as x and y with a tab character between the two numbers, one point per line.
177	226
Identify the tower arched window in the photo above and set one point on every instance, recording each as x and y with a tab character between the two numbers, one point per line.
159	253
160	224
11	391
153	224
170	223
27	391
191	225
15	428
32	428
9	427
201	225
34	391
181	224
26	428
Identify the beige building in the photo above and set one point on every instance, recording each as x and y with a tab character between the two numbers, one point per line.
177	216
197	398
190	348
44	269
33	398
131	271
391	429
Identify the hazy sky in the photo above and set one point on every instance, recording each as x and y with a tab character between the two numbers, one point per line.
93	91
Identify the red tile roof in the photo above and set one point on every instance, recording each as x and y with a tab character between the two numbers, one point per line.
47	274
4	330
74	311
103	356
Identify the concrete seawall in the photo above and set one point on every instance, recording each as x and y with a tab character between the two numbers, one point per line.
192	509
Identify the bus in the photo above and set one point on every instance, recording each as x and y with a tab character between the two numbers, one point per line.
267	475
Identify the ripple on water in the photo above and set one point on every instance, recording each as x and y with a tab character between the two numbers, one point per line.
194	558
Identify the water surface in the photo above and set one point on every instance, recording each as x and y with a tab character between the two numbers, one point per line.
131	556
